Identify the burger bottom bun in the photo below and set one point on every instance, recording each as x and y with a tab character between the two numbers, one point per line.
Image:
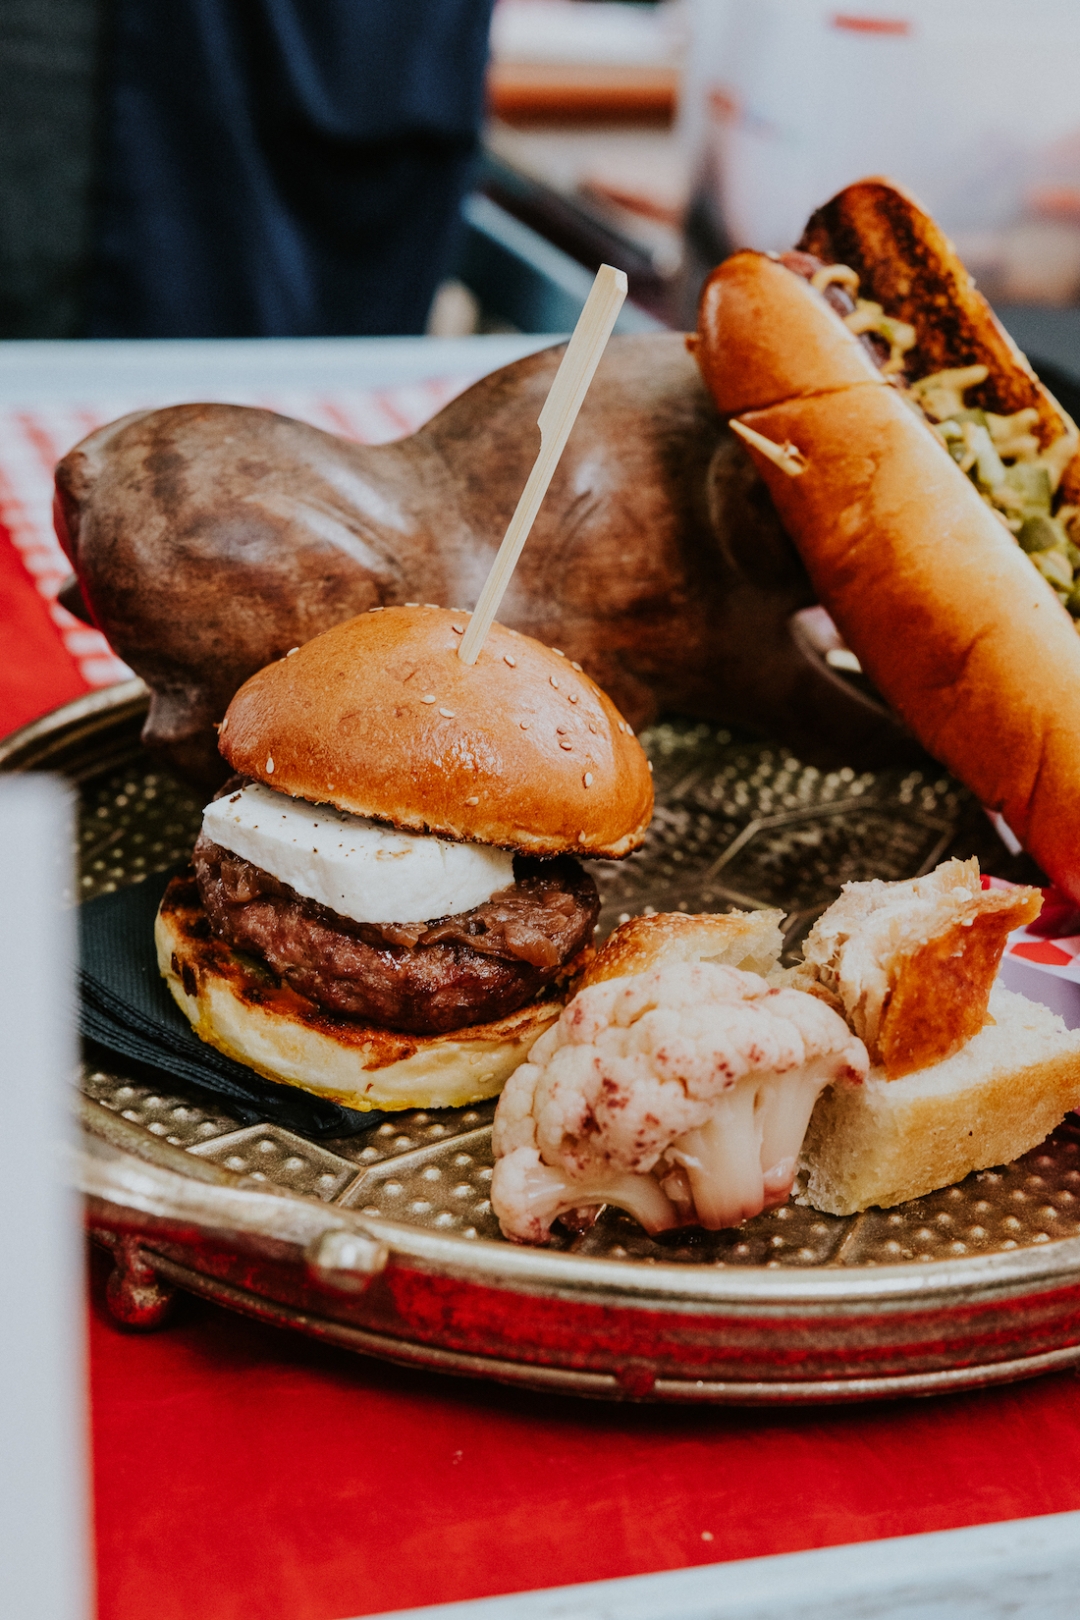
246	1014
887	1141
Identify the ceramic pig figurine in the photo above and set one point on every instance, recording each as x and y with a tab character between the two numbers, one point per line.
210	539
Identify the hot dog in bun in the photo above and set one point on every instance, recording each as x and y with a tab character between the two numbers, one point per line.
931	484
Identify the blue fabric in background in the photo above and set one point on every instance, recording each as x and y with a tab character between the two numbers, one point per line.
283	168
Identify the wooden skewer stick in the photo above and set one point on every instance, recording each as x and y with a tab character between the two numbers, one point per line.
558	416
788	457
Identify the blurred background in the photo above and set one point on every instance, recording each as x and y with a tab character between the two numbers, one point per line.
223	168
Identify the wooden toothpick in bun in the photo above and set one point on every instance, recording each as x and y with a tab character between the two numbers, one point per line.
380	717
389	907
947	615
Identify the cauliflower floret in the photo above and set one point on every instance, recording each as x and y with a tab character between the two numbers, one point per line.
681	1095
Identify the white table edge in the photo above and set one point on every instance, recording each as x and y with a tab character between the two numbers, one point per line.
37	372
1026	1569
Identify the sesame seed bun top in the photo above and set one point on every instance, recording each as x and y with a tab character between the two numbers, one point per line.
380	717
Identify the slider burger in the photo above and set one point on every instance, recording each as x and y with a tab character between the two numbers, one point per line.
932	486
387	906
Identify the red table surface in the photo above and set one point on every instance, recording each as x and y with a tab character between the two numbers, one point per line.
242	1471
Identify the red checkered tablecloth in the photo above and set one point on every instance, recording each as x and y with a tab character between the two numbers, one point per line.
51	656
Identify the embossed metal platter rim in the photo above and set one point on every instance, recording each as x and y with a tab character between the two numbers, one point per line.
978	1284
558	1273
288	1261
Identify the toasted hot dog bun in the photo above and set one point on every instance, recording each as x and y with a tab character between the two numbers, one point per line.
941	607
906	263
944	611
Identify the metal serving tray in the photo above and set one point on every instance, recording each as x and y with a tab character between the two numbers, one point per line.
385	1242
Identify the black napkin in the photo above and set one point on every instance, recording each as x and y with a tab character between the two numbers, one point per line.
126	1008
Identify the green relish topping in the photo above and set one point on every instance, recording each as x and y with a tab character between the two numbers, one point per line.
1016	475
870	317
1013	473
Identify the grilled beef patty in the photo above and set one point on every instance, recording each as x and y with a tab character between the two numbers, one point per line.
424	978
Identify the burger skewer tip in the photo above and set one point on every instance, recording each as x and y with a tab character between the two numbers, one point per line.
559	413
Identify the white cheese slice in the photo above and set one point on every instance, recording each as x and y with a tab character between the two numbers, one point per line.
356	867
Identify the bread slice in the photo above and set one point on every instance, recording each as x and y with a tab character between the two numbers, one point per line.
885	1141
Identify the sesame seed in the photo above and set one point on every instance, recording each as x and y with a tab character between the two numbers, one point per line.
428	697
291	651
508	660
434	605
554	682
649	764
558	652
447	714
575	666
375	610
524	724
566	745
560	731
223	724
572	696
593	729
412	604
581	838
587	778
458	629
269	766
473	799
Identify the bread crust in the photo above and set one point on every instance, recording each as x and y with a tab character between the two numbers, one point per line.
244	1013
945	985
750	940
913	963
380	717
